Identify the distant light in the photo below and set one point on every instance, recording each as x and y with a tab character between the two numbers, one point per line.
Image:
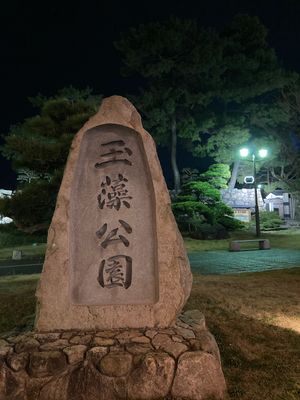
259	186
244	152
263	153
249	179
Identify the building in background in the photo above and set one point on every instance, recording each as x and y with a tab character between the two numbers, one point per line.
242	201
282	203
5	193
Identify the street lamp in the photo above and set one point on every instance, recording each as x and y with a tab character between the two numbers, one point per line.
262	153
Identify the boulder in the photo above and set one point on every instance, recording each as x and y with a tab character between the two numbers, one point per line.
93	234
47	363
198	376
152	378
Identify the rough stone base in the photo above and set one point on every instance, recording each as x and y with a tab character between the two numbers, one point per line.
174	363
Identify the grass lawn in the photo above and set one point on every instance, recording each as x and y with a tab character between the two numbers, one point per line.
28	251
254	317
17	302
289	239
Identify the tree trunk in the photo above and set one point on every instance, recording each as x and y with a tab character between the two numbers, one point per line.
174	158
234	174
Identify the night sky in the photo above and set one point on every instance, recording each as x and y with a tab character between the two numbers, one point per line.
48	45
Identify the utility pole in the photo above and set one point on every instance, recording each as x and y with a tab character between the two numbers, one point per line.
257	222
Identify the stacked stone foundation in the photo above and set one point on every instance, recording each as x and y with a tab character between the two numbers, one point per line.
181	362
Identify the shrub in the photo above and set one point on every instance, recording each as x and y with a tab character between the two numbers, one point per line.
269	220
205	231
230	223
32	207
200	212
10	236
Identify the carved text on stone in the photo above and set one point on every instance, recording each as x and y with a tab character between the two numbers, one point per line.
114	193
116	270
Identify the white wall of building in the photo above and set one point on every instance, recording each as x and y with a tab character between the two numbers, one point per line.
5	193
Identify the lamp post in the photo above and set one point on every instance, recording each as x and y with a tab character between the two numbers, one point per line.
262	153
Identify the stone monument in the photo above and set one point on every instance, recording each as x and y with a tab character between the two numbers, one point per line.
115	258
109	324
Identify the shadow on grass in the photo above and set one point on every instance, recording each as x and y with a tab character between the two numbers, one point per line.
17	302
260	361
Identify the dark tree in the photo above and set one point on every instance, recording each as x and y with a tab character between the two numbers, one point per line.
199	83
38	149
198	208
251	85
181	66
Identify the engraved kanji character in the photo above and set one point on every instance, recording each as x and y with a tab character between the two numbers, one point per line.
115	271
114	193
113	237
113	155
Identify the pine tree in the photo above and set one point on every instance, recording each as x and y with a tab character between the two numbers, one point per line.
198	84
40	146
181	66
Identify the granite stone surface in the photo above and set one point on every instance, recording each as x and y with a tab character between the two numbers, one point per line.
115	257
165	365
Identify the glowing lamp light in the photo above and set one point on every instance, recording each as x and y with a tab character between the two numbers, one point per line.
263	153
244	152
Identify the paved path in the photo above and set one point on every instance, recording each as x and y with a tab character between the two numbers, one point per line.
225	262
205	262
17	267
